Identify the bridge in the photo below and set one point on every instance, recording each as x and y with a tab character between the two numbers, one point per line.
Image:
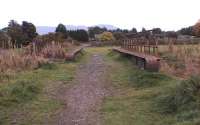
142	49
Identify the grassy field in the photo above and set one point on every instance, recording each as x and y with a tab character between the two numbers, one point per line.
145	98
33	97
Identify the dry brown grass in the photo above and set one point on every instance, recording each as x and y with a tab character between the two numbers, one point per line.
180	60
14	60
28	58
17	60
55	51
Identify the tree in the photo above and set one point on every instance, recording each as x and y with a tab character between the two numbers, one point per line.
143	30
15	31
3	36
134	30
62	29
20	34
30	30
58	37
196	29
119	36
186	31
156	31
106	36
125	31
171	34
95	30
119	30
4	40
79	35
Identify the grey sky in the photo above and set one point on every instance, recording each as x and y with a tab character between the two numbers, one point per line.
167	14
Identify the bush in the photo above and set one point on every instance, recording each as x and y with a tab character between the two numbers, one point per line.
106	36
183	97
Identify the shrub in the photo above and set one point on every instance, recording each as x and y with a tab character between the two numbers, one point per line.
106	36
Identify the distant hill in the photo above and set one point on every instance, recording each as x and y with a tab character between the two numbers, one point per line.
46	29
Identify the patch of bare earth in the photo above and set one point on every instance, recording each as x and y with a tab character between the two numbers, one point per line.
83	100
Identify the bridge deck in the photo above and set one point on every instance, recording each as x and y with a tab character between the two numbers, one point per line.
144	61
71	56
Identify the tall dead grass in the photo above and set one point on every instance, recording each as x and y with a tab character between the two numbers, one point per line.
13	60
53	51
183	60
28	58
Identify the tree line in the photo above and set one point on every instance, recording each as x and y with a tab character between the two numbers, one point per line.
16	34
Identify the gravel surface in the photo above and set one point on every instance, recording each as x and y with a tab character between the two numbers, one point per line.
84	99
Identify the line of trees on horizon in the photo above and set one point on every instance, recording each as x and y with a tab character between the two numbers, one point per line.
17	35
22	34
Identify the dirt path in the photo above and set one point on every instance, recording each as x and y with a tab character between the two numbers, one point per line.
84	99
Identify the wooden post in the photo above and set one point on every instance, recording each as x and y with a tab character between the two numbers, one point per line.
34	48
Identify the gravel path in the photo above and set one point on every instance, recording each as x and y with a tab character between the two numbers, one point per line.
84	99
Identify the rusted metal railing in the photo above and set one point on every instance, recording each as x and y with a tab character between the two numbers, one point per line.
141	45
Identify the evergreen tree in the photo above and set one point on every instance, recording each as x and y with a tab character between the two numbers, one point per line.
15	31
30	30
134	30
79	35
62	29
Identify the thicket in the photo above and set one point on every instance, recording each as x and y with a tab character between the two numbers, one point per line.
79	35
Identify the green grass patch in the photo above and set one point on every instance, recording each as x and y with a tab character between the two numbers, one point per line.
143	79
182	100
134	76
48	66
19	92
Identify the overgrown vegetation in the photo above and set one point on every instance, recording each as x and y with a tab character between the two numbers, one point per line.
32	97
184	97
80	35
17	60
145	98
180	60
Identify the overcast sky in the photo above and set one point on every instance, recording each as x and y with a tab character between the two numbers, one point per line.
166	14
